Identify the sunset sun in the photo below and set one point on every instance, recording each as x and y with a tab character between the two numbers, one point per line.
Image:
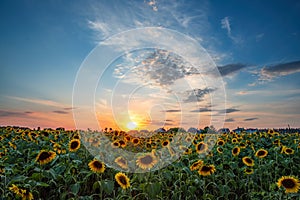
131	125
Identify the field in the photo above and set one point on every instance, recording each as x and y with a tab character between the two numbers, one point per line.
55	164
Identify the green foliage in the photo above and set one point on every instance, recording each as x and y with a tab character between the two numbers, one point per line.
68	175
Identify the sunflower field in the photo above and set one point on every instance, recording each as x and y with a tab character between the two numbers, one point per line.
55	164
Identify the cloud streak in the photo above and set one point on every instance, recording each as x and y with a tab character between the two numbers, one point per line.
231	68
39	101
4	113
251	119
268	73
225	22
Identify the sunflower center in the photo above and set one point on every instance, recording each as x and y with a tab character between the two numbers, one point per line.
165	143
288	183
147	160
74	145
205	169
288	150
235	150
135	141
248	160
261	153
122	161
122	179
44	155
97	164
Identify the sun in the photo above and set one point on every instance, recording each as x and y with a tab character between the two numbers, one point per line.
131	125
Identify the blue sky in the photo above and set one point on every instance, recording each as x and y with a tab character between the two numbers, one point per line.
254	44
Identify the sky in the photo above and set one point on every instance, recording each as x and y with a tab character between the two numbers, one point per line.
228	64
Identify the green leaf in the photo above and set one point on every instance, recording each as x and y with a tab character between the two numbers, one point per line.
153	189
108	186
42	184
36	176
75	188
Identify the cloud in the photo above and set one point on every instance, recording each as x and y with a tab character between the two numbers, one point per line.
259	37
4	113
60	112
229	120
231	68
69	108
202	110
152	4
242	92
251	119
172	110
229	110
160	67
225	22
268	73
196	95
38	101
169	120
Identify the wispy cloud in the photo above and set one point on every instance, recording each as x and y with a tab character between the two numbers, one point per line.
229	110
251	119
60	112
229	120
171	111
225	22
4	113
231	68
268	73
197	95
39	101
259	37
152	4
202	110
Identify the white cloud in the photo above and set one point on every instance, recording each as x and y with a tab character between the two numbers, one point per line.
225	22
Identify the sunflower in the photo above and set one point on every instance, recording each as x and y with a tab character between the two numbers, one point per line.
236	151
15	189
196	165
121	162
248	161
206	170
288	151
74	145
243	145
188	151
234	140
261	153
248	170
165	143
25	194
122	143
45	157
122	180
290	183
2	170
146	161
201	147
277	142
12	145
115	144
221	142
135	141
97	166
219	150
